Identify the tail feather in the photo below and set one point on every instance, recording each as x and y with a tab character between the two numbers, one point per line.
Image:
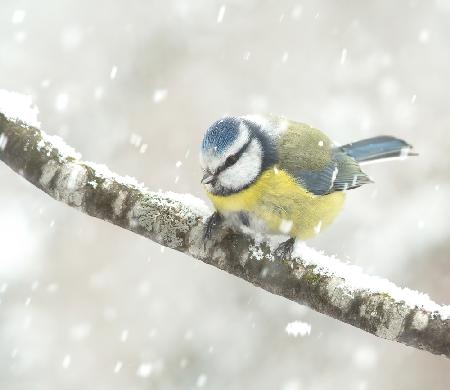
378	148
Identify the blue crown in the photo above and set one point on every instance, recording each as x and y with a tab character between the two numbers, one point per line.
221	134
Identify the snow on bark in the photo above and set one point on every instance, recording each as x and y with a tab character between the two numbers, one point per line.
325	284
16	106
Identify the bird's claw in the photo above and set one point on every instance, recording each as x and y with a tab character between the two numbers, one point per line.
211	225
285	249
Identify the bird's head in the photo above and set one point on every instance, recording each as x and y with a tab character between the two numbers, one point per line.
234	153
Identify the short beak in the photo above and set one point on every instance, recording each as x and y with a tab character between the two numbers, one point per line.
208	177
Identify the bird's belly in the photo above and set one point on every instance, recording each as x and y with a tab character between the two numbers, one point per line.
277	204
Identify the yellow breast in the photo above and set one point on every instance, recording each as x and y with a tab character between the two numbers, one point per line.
283	205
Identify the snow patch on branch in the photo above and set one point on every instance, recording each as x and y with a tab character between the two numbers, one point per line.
354	279
420	320
19	107
189	201
50	142
103	172
16	106
75	177
194	203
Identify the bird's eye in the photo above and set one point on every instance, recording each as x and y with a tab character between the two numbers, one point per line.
231	160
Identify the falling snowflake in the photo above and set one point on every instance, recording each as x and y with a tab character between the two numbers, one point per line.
298	328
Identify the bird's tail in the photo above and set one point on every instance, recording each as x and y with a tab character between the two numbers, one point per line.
379	148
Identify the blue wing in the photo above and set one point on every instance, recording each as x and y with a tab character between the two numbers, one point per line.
310	157
341	173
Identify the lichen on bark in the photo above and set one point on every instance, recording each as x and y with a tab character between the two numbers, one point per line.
170	220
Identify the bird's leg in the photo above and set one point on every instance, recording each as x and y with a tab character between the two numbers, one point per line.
211	224
243	217
285	249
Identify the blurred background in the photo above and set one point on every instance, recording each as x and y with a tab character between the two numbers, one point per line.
134	84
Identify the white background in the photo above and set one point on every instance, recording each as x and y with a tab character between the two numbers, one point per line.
81	298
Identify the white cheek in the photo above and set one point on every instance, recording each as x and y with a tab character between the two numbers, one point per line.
246	169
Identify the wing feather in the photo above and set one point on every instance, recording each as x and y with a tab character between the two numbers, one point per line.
310	157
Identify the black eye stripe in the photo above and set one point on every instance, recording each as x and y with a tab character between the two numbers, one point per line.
234	157
231	160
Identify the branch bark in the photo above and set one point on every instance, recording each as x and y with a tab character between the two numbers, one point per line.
177	221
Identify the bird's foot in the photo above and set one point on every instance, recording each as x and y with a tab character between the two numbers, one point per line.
211	225
285	249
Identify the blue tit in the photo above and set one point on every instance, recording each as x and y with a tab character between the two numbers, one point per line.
278	176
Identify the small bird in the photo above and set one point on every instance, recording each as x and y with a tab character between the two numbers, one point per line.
277	176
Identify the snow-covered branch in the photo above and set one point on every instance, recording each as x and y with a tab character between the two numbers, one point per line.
176	221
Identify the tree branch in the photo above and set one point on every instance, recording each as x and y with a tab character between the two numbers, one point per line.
176	221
